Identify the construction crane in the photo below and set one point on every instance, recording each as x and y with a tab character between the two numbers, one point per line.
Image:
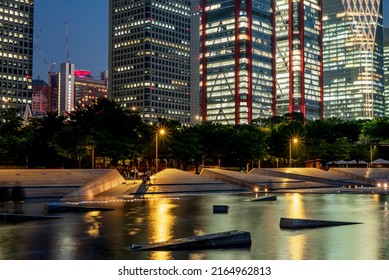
37	46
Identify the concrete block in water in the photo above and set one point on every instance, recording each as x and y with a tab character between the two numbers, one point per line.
289	223
220	209
228	239
58	207
9	217
262	198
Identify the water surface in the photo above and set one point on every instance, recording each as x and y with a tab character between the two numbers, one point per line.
107	234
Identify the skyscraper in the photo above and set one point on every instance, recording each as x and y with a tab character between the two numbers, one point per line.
299	66
16	46
236	65
149	57
353	59
195	92
66	100
386	70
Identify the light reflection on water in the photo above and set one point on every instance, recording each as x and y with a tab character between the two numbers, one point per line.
161	222
107	234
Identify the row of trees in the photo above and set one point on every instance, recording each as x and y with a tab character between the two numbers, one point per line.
106	131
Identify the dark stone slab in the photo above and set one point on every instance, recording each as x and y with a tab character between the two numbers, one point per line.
262	198
220	209
289	223
62	207
10	217
228	239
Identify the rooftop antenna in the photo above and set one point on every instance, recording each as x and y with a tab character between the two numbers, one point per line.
67	42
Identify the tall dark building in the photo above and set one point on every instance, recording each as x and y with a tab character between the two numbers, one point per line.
149	57
386	70
16	47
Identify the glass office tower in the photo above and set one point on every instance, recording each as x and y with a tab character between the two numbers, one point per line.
195	92
149	61
353	59
236	60
299	66
16	47
386	70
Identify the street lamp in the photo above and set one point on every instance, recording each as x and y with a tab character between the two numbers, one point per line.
158	132
294	140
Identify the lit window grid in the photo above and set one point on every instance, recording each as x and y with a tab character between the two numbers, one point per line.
311	82
221	65
355	56
172	42
16	28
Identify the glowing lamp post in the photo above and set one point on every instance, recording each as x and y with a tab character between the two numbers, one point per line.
157	133
294	141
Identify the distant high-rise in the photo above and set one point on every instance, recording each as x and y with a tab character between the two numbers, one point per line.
39	97
299	64
353	59
236	62
386	70
87	89
72	88
66	100
16	47
149	57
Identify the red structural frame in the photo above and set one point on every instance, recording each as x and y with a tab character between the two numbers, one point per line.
302	58
274	92
321	59
250	59
290	35
237	56
204	61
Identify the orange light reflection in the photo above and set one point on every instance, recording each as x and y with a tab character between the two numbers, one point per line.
162	223
296	209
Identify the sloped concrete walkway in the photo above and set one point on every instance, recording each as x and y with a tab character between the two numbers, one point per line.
46	183
370	174
311	177
175	181
284	179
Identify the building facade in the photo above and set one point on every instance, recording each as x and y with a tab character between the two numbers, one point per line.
16	47
71	88
236	60
353	59
66	100
40	90
149	57
299	64
386	70
195	92
87	89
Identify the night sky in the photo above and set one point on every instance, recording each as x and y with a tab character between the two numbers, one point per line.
87	28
